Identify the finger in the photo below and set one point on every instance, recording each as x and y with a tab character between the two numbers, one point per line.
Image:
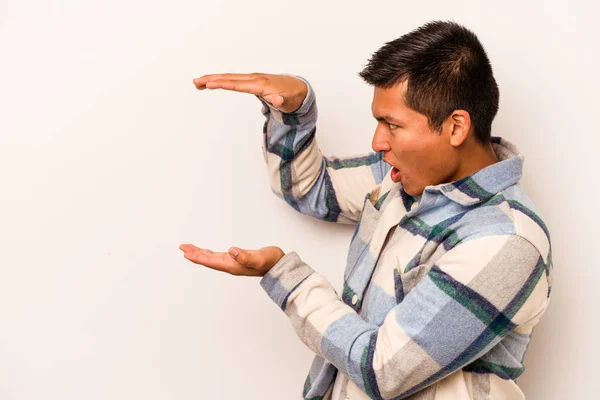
252	86
213	260
201	81
212	77
225	263
192	248
218	261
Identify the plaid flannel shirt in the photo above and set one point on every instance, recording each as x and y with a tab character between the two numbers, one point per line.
441	291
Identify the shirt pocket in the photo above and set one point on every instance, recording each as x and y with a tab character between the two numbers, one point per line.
363	233
405	282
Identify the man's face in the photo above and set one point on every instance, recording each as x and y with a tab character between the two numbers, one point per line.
421	157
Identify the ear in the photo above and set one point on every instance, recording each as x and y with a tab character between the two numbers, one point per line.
459	126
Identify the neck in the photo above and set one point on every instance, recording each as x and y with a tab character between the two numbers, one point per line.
475	157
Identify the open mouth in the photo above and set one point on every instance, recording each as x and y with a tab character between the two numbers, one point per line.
395	175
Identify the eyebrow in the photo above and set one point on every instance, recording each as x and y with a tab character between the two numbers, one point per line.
388	118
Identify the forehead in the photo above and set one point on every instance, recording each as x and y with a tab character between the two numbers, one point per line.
389	101
389	104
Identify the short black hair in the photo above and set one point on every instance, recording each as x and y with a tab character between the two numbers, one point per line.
446	68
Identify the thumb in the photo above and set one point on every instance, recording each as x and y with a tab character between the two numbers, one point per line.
275	99
243	257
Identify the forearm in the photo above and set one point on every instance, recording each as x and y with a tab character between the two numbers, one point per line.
324	323
327	188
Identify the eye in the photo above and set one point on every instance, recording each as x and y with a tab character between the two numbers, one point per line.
392	126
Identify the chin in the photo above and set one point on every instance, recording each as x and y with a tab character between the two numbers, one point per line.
412	191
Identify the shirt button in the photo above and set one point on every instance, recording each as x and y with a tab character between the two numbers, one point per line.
414	205
375	243
355	299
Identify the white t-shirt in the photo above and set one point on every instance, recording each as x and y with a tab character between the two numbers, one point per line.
337	387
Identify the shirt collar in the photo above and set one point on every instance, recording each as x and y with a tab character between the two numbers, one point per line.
489	181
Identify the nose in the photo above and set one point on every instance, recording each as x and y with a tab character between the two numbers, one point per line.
380	140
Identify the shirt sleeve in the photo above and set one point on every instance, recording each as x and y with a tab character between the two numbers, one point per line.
327	188
468	300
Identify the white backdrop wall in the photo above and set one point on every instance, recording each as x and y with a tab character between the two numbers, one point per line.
110	159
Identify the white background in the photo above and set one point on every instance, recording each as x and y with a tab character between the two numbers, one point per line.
110	159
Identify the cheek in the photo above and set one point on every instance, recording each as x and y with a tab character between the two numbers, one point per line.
436	168
409	157
415	156
419	165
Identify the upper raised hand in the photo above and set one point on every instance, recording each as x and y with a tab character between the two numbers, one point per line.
284	92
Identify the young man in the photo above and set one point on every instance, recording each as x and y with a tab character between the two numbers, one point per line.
450	266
